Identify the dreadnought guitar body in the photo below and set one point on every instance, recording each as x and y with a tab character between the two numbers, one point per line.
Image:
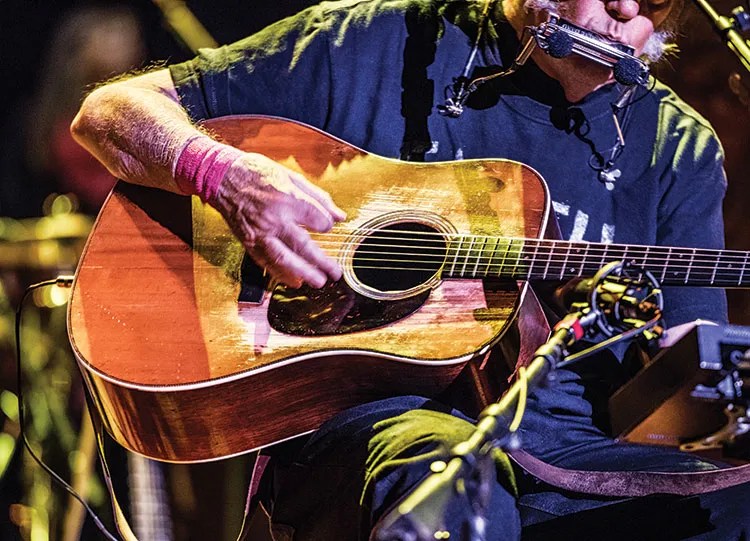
190	355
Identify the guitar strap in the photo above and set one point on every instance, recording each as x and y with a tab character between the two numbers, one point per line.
416	89
632	483
121	522
254	496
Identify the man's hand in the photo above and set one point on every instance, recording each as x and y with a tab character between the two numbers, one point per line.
269	208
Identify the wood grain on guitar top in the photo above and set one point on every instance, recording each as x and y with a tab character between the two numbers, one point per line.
182	371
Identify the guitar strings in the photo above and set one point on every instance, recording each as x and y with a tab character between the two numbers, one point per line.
704	256
482	251
520	262
531	273
513	256
527	269
655	256
528	266
440	239
696	272
476	262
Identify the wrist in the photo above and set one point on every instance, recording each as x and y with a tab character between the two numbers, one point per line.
201	165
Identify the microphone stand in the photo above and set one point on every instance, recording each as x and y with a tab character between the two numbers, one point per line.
727	28
469	473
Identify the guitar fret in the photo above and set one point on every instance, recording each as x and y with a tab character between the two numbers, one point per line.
479	257
580	253
666	264
727	272
632	260
466	259
744	267
518	258
549	260
505	257
675	267
565	262
615	254
491	256
690	267
583	260
704	267
716	267
533	260
455	257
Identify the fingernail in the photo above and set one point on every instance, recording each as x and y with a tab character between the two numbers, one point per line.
336	273
318	281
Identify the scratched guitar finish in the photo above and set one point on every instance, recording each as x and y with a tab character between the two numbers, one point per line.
181	370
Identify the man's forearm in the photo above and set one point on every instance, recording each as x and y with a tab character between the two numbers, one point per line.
136	128
140	132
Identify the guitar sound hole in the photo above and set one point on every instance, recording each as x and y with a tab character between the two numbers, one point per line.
395	258
399	257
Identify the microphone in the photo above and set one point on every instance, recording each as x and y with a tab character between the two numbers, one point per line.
628	71
619	299
559	45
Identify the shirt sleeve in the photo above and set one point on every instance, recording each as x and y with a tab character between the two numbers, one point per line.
690	211
284	70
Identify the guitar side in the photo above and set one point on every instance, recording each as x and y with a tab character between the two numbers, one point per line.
182	371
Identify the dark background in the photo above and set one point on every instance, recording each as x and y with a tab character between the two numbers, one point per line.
25	27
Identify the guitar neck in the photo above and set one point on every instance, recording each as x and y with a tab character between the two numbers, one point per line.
470	256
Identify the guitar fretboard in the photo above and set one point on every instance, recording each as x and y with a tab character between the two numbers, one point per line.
485	257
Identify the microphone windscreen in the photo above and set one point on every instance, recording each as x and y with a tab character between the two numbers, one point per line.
560	45
627	71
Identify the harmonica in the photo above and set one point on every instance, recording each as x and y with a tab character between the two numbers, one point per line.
559	38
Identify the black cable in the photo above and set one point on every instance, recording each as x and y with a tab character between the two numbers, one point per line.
62	281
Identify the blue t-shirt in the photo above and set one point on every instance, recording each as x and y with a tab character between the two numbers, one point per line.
340	66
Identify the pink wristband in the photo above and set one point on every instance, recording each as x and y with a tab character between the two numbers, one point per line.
202	165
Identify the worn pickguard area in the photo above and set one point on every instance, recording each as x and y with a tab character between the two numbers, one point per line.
334	309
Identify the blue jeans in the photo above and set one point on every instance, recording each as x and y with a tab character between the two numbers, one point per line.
362	462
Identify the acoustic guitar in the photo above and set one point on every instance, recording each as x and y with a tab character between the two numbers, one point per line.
191	355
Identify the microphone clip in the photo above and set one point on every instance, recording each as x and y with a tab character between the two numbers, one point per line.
462	88
621	296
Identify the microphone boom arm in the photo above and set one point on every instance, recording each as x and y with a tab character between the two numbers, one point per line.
726	27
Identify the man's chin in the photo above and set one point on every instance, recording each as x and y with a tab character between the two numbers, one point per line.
588	70
580	77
